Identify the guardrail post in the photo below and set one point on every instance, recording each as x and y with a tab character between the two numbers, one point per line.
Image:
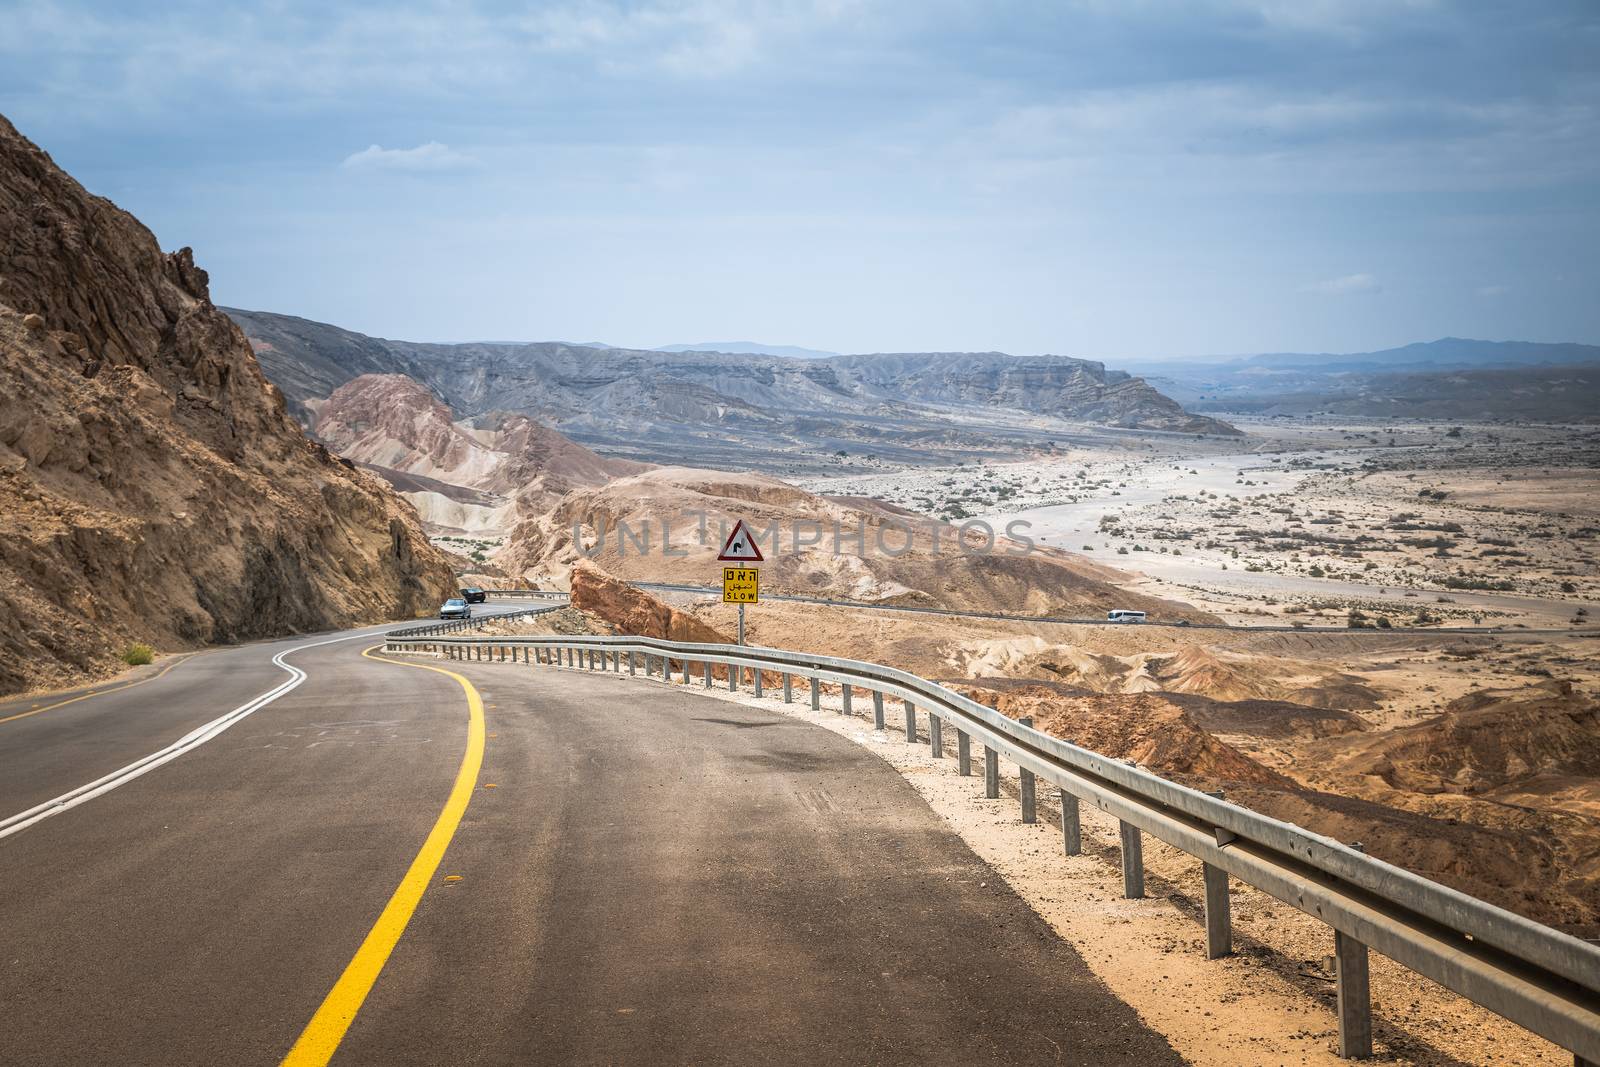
734	670
1071	828
756	681
1025	786
935	736
877	710
788	688
911	723
1219	922
1355	1003
849	692
816	693
633	663
991	773
963	754
708	674
1132	861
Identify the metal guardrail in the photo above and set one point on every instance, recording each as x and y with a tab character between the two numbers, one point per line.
452	626
1537	977
524	594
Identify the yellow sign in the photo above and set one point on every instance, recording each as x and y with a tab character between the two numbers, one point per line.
741	585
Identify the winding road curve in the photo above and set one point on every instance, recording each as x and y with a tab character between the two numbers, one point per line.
592	869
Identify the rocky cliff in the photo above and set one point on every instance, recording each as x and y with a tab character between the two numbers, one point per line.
476	477
152	485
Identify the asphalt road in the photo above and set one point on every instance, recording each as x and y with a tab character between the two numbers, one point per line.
1515	630
641	875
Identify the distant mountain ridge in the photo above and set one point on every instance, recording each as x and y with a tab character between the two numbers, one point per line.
719	409
1452	377
1447	352
749	348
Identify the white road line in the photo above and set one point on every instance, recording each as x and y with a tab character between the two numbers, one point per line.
188	742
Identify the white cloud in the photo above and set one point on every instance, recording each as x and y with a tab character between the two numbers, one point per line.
1345	286
686	38
432	156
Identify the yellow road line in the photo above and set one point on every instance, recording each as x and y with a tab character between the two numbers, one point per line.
320	1039
97	692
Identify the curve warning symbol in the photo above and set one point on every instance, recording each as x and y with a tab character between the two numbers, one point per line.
740	547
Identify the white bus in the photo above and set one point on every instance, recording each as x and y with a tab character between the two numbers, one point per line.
1124	615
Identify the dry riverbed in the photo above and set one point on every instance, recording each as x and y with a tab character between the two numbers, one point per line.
1394	524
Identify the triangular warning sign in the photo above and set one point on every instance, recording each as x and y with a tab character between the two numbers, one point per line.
740	547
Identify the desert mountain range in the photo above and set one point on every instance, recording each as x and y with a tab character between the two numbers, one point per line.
732	411
154	486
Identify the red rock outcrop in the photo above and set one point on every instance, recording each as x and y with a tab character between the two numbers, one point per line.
635	612
152	486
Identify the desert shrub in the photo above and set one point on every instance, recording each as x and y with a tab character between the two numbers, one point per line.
138	654
1472	581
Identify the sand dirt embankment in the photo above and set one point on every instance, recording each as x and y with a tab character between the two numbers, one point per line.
677	517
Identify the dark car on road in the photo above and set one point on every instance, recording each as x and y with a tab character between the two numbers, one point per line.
455	608
474	595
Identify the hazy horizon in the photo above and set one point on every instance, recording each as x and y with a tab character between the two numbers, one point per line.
1114	182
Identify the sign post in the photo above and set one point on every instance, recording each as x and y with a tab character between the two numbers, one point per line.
740	585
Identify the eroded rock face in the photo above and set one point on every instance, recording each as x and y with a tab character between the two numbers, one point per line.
1148	728
152	485
480	477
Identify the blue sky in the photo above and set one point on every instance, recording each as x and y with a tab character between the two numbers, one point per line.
1108	179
